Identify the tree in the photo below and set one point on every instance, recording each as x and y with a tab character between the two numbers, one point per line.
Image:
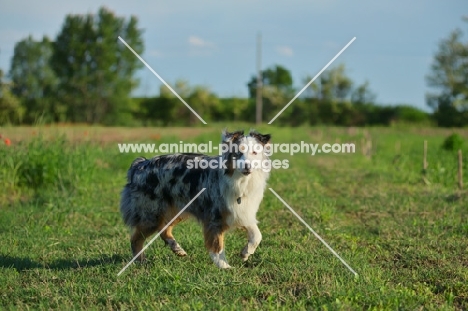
203	101
327	93
167	109
232	109
449	77
199	97
332	85
33	80
95	71
363	95
11	110
277	90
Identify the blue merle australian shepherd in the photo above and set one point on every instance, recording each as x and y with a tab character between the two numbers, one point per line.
160	187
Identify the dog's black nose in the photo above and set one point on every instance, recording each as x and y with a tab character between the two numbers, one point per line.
247	166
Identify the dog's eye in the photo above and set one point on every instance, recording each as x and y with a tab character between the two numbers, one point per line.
254	153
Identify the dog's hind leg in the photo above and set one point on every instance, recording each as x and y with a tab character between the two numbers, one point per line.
214	242
138	239
167	236
254	239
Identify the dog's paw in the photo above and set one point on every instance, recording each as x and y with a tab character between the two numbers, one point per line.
224	265
244	257
180	252
245	253
176	248
141	258
219	260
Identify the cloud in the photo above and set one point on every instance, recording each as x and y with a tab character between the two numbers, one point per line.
195	41
285	50
156	53
200	47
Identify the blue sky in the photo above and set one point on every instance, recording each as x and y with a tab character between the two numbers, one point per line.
213	42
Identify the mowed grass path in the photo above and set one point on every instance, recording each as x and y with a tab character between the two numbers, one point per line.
63	241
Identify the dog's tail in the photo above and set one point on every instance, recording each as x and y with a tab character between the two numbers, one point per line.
130	214
135	166
127	208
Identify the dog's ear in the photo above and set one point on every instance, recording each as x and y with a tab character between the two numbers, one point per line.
227	136
263	139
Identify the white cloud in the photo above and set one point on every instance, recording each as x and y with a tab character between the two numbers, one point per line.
199	42
156	53
285	50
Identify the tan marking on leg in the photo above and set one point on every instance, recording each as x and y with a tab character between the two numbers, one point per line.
169	239
214	242
214	234
138	239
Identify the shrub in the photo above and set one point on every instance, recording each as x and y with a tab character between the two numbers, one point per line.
453	142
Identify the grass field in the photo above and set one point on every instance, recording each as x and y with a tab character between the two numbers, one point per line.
63	241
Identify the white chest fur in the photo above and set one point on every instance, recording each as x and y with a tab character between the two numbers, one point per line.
243	197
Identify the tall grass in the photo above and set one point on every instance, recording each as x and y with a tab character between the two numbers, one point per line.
46	169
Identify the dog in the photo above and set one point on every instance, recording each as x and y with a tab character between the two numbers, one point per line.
157	190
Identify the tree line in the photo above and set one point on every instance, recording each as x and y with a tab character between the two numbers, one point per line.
86	76
83	76
331	100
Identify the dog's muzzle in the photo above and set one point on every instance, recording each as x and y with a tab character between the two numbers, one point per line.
247	169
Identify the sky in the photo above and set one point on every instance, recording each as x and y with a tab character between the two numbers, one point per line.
213	43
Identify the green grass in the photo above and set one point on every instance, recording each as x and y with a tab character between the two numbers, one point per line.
63	241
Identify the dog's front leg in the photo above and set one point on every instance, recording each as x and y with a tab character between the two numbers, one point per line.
214	242
255	237
220	260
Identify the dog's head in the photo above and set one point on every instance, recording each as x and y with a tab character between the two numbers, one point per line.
245	153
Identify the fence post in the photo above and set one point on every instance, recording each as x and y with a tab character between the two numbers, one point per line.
425	156
460	170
